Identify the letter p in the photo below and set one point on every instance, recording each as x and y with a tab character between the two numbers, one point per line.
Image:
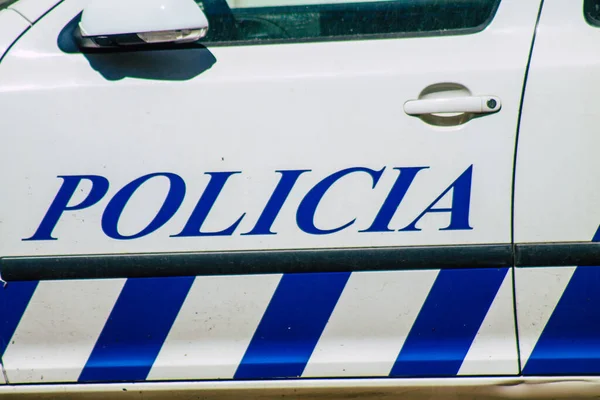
61	202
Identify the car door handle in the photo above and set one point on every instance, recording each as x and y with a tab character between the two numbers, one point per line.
465	104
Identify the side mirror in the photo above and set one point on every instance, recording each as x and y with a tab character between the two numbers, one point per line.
118	23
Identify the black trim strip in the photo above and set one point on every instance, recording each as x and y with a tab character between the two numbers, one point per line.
514	175
557	254
298	261
253	262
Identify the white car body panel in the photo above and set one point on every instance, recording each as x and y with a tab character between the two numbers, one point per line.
557	195
323	107
558	168
538	292
33	10
151	126
12	25
320	107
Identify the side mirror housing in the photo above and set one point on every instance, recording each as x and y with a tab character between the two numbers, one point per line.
118	23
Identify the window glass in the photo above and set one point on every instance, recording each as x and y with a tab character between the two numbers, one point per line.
5	3
591	9
309	20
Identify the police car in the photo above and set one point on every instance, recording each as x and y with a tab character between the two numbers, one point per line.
300	198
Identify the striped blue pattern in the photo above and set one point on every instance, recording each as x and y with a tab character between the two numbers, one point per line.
14	298
570	341
292	325
448	322
289	330
136	329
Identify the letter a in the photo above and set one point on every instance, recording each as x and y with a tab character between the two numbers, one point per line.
459	211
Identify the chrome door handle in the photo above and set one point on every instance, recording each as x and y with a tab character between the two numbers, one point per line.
457	105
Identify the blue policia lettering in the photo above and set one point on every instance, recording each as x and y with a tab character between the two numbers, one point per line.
282	191
392	202
305	217
114	209
194	225
460	190
461	205
60	204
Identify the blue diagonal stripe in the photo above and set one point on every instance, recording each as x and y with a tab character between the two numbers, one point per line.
570	341
14	298
291	325
448	322
136	329
596	237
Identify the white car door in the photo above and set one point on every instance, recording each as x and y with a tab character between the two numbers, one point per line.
557	196
262	202
12	25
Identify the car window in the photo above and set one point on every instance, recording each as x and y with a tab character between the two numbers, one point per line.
257	21
5	3
591	10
